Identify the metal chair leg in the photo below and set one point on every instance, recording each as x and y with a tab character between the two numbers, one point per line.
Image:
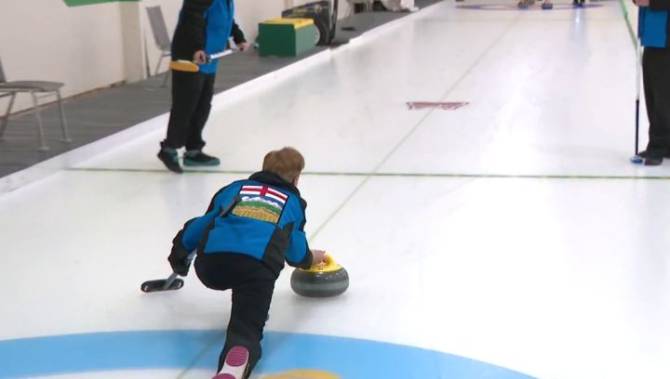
38	116
158	65
63	121
5	118
166	76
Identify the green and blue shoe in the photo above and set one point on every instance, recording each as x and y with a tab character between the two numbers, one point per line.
198	158
170	159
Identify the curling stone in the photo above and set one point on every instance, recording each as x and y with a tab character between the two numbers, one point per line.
322	280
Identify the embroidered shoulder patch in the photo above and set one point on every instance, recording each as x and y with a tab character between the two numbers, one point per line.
260	203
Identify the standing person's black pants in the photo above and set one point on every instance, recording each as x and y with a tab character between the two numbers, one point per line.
191	102
252	283
656	76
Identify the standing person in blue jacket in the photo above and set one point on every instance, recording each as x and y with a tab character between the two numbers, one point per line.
204	28
250	229
654	33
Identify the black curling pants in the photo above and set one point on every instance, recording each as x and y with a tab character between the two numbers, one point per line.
191	102
656	77
252	284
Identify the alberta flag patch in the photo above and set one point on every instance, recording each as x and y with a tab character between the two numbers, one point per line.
260	203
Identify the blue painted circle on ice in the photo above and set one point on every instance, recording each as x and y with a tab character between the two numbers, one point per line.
179	349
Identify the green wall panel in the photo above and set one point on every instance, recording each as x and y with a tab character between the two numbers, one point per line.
76	3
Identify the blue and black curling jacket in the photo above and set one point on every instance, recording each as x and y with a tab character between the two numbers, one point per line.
263	217
205	25
654	25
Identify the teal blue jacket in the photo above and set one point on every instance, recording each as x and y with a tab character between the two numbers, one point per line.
262	217
205	25
653	25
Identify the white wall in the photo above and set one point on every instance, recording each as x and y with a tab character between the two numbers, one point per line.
45	39
94	46
133	52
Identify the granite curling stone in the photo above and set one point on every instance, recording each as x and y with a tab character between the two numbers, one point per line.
323	280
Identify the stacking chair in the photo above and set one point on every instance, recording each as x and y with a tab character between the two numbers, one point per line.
161	37
34	88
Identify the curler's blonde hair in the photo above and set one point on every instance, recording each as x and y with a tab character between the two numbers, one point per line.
286	162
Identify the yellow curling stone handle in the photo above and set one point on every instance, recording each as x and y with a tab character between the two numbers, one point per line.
329	265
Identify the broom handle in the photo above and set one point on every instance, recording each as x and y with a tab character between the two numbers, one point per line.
637	94
214	56
174	275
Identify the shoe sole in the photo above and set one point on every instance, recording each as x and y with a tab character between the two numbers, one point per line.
193	163
638	160
235	364
642	159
